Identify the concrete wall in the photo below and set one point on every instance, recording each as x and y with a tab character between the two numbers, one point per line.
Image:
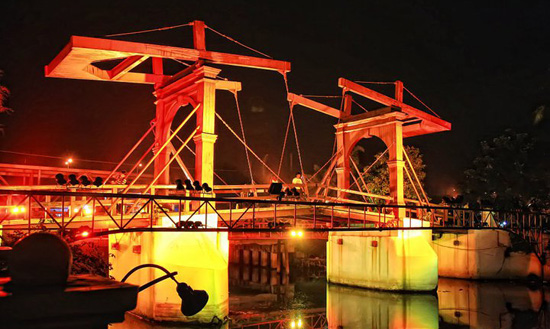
200	258
481	254
391	260
361	308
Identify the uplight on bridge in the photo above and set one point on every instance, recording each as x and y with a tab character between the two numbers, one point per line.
296	324
297	233
17	210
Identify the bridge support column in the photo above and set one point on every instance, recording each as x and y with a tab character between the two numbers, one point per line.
200	258
390	131
388	260
484	254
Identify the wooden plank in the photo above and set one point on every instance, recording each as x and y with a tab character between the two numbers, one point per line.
300	100
126	66
83	51
199	39
388	101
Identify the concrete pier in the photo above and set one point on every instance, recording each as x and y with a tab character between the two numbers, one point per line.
200	258
483	254
389	260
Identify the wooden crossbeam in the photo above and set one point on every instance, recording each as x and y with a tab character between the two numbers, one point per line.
81	52
300	100
126	66
388	101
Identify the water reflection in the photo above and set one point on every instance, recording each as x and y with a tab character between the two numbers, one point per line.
504	305
262	298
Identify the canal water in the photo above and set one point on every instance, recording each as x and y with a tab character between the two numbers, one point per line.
262	298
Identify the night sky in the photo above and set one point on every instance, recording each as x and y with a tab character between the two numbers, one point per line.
482	67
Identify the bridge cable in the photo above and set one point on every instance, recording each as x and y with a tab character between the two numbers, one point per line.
150	30
244	137
248	147
375	161
421	102
295	133
237	42
193	152
284	145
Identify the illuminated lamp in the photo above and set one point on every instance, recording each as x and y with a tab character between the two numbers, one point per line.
192	301
73	180
83	232
188	185
60	179
98	181
87	210
84	180
197	185
206	188
179	185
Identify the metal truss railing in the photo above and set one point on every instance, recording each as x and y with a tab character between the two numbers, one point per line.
109	213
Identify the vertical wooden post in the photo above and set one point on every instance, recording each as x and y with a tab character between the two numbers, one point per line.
399	91
199	39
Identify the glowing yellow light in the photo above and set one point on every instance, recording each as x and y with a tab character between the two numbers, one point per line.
299	323
297	233
85	234
87	210
15	210
293	324
70	160
22	209
141	165
66	162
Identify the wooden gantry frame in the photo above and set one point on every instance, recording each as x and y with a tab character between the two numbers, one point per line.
197	86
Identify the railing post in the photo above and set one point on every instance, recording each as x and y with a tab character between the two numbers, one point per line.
121	211
254	215
29	212
314	215
63	213
295	214
332	217
93	213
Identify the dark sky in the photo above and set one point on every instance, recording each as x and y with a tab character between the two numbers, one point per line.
482	67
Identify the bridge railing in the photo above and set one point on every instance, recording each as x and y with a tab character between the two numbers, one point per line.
107	213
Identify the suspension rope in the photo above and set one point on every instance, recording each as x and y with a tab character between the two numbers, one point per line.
375	161
421	102
322	96
319	170
361	106
151	30
415	175
251	151
193	152
377	82
295	134
284	143
237	42
244	137
361	190
361	177
181	62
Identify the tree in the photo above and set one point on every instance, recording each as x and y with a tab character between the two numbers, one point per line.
378	179
4	95
507	173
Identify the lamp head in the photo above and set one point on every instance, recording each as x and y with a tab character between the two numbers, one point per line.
192	301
